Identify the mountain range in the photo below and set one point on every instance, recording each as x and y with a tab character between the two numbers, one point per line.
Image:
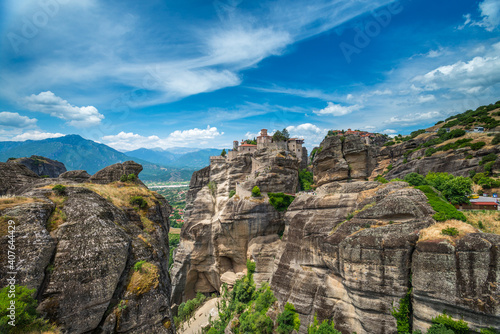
176	157
80	153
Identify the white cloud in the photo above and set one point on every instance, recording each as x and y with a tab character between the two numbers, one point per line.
389	131
312	134
480	72
185	138
14	120
416	117
426	98
35	135
490	16
337	109
48	103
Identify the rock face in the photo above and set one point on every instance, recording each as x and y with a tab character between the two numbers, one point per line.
78	176
351	271
80	252
15	178
220	232
344	158
114	172
41	166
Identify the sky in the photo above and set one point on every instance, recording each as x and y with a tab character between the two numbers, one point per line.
161	74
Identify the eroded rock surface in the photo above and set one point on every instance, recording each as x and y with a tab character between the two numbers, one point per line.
79	251
114	172
16	178
78	176
41	166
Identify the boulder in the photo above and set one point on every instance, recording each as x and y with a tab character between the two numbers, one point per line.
114	172
78	176
41	166
15	178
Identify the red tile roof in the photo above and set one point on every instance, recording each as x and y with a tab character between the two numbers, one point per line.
248	145
484	203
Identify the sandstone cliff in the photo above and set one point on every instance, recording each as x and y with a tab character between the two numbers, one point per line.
221	232
98	265
348	252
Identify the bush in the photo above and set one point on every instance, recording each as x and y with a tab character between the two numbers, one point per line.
187	309
223	153
381	179
232	193
280	201
389	143
496	139
438	180
390	167
415	179
430	151
477	146
288	320
27	318
488	158
439	329
256	192
451	231
324	328
138	265
457	326
139	201
490	330
402	314
213	187
59	189
444	210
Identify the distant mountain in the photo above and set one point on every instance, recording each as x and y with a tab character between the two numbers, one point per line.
194	159
79	153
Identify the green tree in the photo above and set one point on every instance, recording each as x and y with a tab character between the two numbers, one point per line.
305	179
256	192
281	135
324	328
415	179
457	190
27	318
223	153
59	189
438	180
288	320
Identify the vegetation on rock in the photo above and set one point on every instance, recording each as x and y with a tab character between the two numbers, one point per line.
280	201
256	192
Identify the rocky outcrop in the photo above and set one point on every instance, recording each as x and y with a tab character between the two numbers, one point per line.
344	158
114	172
460	278
220	232
78	176
96	267
15	178
41	166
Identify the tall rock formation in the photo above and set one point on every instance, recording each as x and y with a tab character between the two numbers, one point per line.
221	232
97	264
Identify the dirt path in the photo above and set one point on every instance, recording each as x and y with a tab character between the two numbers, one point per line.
200	319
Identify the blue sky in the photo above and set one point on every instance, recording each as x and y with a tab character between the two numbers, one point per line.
203	73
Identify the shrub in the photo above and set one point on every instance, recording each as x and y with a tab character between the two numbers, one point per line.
280	201
27	318
444	210
123	178
389	143
213	187
489	166
490	330
288	320
402	314
451	231
457	326
138	265
381	179
256	192
488	158
415	179
324	328
439	329
469	156
430	151
139	201
250	267
223	153
187	309
477	146
59	189
496	139
389	168
438	180
232	193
